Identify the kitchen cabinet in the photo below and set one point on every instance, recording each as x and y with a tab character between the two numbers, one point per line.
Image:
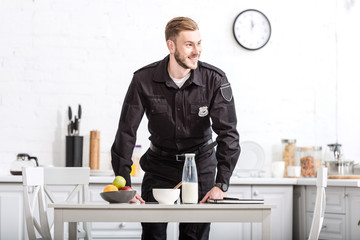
341	213
12	219
281	216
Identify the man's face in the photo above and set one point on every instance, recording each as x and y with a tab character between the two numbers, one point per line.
188	49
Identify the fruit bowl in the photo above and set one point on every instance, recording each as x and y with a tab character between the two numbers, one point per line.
118	196
166	195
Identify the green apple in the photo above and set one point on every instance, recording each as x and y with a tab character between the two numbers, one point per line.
119	182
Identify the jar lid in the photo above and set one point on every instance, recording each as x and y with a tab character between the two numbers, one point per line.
306	149
288	140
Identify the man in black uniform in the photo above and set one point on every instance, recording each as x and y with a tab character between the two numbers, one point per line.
183	99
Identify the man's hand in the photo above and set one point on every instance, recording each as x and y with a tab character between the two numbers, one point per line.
214	193
136	198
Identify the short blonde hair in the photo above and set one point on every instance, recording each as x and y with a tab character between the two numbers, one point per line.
178	24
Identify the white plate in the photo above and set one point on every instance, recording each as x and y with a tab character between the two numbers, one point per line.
251	159
101	173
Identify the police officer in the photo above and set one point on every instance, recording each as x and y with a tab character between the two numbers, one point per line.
184	100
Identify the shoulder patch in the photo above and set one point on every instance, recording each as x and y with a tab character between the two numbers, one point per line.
151	65
226	92
211	67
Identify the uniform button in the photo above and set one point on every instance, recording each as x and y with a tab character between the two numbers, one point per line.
178	128
178	109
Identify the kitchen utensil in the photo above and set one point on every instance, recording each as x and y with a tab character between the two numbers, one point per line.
74	151
79	118
76	126
344	176
166	195
294	171
336	150
178	185
340	167
69	124
23	160
251	160
118	196
278	169
94	158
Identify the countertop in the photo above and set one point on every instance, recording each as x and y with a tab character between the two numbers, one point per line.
234	181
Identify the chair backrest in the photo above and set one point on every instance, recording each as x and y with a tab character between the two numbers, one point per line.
77	178
35	205
320	204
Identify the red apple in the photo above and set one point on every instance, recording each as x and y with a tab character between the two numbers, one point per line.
126	188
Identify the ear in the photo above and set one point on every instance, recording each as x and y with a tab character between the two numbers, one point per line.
171	45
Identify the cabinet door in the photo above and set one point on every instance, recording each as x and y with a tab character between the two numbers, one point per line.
335	201
281	216
333	227
12	221
229	231
352	213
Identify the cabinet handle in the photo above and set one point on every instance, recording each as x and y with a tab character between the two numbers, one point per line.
324	227
256	193
346	195
122	225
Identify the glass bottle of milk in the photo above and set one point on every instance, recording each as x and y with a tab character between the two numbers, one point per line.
189	180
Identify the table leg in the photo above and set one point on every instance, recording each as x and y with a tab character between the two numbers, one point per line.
72	230
266	225
58	225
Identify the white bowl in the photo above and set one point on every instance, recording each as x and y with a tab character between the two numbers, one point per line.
166	195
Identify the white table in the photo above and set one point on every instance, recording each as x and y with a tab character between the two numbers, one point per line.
124	212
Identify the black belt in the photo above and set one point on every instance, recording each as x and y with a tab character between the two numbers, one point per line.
181	157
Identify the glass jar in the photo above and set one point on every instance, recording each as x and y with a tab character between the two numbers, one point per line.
310	160
288	153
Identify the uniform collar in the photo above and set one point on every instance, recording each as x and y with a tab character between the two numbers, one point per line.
162	75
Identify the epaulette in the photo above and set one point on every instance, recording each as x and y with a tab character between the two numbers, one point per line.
151	65
211	67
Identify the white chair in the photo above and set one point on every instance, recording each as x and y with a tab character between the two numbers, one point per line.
44	179
320	204
35	205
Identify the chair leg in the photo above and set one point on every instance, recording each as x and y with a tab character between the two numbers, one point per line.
87	228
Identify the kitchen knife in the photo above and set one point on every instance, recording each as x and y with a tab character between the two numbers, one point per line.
72	128
69	124
69	113
79	111
76	126
79	115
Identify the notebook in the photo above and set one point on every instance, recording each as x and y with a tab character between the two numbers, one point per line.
237	200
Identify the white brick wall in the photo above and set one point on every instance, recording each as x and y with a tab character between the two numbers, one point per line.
59	53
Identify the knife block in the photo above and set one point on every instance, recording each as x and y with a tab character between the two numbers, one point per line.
74	151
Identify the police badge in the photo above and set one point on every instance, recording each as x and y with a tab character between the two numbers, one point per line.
203	111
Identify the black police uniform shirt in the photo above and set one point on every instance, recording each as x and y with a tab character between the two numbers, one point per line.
178	118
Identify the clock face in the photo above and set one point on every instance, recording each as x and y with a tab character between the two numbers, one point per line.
252	29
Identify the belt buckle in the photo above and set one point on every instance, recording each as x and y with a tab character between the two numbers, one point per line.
180	156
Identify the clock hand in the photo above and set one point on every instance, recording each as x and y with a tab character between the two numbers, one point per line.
252	24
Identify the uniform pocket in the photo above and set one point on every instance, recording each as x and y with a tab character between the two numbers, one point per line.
159	117
199	120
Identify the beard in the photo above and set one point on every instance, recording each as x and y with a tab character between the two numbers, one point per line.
181	60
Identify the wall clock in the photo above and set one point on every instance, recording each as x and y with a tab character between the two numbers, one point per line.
252	29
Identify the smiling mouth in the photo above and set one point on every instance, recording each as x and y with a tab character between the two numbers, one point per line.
194	58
